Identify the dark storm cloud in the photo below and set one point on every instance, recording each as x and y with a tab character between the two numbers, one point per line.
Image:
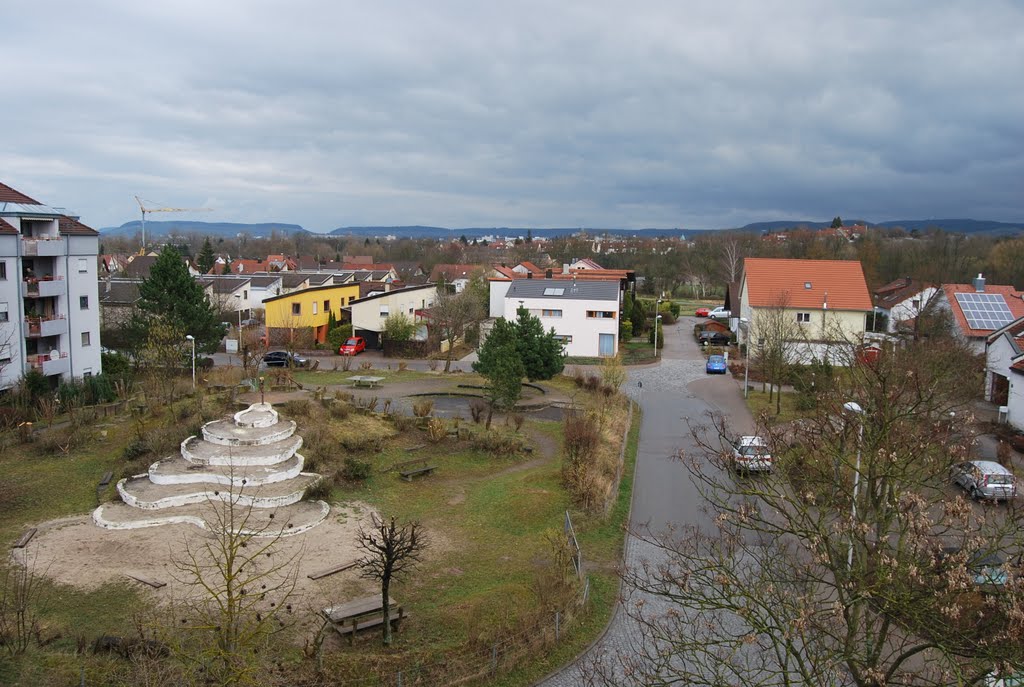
455	113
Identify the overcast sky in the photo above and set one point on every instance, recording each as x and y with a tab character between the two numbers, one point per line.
643	114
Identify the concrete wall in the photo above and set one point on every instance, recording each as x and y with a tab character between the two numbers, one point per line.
80	276
11	338
497	300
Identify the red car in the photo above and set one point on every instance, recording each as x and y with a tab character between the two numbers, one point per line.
353	346
701	312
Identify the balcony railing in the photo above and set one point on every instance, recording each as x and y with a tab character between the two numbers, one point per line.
43	287
54	363
42	245
46	325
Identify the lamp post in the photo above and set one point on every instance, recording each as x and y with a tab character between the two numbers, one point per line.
744	324
192	339
854	407
657	319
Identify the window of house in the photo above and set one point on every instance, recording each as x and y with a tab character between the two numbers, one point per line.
86	339
245	295
87	372
5	353
3	270
550	313
564	338
916	303
601	314
327	306
314	307
83	265
385	311
296	308
83	302
3	312
803	317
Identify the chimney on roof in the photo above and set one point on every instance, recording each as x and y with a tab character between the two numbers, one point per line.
565	268
979	283
529	275
547	274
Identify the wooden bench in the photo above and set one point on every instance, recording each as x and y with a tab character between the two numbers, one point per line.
361	614
24	539
423	469
365	381
333	570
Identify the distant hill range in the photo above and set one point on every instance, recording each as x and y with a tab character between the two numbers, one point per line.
232	230
956	226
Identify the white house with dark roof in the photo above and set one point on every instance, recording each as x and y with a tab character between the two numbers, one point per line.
584	313
1004	370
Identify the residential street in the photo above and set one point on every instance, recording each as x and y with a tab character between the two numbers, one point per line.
675	392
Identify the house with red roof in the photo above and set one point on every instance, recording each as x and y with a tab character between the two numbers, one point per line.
818	307
978	309
1004	370
454	274
902	301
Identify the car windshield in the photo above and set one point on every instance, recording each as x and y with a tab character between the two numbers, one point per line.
351	342
716	360
753	450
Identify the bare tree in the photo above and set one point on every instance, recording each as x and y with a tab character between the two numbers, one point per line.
251	349
163	357
852	564
392	551
6	353
774	334
20	603
451	315
241	586
731	259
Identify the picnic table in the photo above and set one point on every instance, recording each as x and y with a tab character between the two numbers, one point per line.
366	381
360	614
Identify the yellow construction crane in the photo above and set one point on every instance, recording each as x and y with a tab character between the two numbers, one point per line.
146	210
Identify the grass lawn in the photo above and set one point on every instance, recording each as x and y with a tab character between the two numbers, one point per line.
758	403
635	352
490	520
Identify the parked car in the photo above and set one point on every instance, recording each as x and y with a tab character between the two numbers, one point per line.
985	479
714	338
701	312
1012	680
987	570
751	454
284	359
352	346
716	365
720	313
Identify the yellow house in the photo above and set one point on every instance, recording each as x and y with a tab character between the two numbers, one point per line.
308	309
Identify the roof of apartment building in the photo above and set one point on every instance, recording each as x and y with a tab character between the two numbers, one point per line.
263	280
119	292
69	226
10	195
559	289
453	271
66	225
138	267
6	228
227	284
392	292
815	284
999	305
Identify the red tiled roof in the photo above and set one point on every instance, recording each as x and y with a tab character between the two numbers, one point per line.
6	228
1009	294
502	269
531	267
373	266
839	283
9	195
71	226
450	272
896	292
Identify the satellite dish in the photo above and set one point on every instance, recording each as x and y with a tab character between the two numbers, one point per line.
54	355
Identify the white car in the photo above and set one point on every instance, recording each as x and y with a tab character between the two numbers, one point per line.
720	313
751	454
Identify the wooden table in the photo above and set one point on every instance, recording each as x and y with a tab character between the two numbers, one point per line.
360	614
369	382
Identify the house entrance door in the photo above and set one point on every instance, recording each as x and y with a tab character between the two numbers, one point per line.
606	345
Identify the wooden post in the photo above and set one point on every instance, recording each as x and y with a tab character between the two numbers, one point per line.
557	619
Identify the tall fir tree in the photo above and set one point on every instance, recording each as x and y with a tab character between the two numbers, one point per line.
498	361
206	259
170	295
540	351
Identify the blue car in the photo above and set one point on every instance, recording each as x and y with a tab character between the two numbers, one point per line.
716	365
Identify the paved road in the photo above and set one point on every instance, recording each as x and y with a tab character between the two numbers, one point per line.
675	393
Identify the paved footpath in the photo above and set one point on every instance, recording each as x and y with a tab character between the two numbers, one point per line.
674	393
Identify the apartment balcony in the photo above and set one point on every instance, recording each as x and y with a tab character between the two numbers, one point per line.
43	287
50	325
54	363
42	246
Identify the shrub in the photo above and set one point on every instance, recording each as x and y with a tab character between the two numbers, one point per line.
593	382
319	490
298	408
136	447
436	430
403	423
516	420
337	336
115	364
367	365
625	330
433	364
477	408
355	470
496	443
339	410
423	407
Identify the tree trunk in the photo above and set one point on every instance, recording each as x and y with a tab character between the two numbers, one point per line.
448	356
490	414
385	587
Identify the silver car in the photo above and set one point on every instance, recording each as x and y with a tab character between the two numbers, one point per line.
751	454
985	479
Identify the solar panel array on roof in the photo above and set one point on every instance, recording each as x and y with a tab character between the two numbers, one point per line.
984	310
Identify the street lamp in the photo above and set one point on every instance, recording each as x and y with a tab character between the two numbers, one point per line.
191	338
657	319
745	326
854	407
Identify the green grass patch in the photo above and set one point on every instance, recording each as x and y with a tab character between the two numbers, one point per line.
326	377
635	352
759	404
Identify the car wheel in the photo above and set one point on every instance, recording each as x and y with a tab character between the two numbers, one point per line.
975	494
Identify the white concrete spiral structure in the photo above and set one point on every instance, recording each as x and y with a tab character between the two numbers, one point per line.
250	459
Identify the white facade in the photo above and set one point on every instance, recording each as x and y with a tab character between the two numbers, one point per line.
910	308
584	315
497	298
49	296
1001	353
368	314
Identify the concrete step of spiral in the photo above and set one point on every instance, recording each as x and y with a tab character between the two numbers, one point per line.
141	493
283	521
177	470
201	452
227	433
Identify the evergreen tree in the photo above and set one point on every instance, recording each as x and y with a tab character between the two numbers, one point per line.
529	236
499	363
539	351
206	259
837	223
464	240
227	266
638	317
172	297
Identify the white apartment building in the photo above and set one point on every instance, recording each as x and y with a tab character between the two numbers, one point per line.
49	298
584	313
